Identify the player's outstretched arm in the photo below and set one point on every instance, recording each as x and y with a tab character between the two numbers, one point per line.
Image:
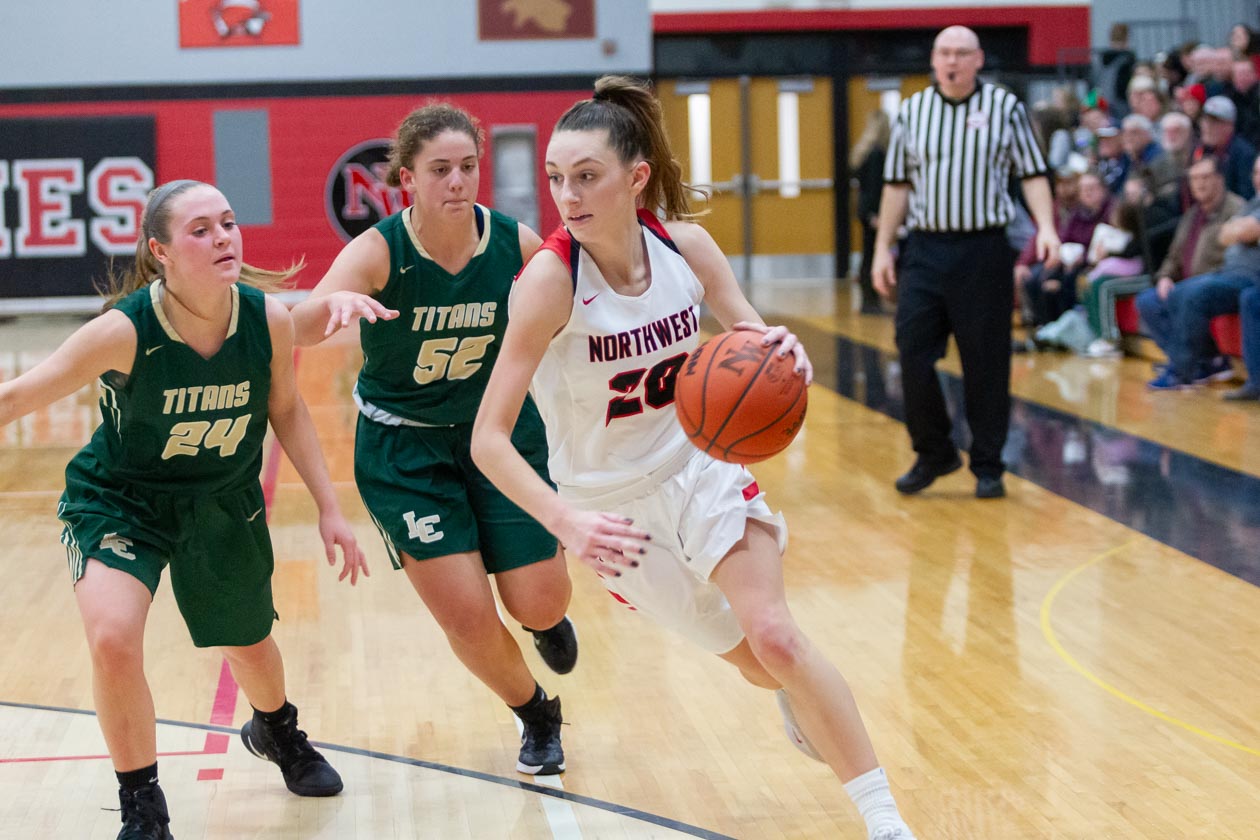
344	294
105	343
296	433
538	313
725	299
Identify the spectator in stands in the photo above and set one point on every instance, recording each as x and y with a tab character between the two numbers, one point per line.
1195	249
1125	270
1249	312
1145	98
1050	288
1111	162
866	162
1116	67
1171	71
1168	172
1137	138
1246	96
1190	99
1241	39
1218	70
1054	128
1094	111
1192	353
1218	138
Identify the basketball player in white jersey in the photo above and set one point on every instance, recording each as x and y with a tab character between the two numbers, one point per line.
601	320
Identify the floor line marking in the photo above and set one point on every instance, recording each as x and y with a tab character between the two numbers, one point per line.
1047	630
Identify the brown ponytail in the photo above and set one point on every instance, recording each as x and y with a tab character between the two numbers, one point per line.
631	115
156	224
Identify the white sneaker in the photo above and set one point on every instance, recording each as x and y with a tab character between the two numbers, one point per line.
793	729
1101	348
901	832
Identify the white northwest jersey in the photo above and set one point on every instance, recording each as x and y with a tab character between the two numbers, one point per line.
605	386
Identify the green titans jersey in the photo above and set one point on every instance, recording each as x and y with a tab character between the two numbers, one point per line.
430	365
179	423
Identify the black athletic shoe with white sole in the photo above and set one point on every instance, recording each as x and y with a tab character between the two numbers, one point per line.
305	771
558	646
541	752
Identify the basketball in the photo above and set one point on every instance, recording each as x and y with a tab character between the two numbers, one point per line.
739	401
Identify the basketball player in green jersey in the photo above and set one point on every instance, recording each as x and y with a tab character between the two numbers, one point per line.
446	264
193	361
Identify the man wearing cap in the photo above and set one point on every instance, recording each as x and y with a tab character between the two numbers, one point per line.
1137	136
1113	165
1218	138
1145	99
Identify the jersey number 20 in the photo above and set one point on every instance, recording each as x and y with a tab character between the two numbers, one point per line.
659	388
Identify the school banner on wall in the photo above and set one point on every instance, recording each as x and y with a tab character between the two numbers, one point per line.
511	20
238	23
73	193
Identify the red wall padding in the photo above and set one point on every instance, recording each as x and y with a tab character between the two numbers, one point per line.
308	135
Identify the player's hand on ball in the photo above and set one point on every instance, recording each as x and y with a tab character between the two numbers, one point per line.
335	531
346	307
788	343
604	541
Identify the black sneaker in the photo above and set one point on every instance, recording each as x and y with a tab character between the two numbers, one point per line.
305	771
558	646
541	752
144	814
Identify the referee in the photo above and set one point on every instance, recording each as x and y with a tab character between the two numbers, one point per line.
953	148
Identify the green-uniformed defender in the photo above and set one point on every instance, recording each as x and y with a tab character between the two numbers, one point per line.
194	361
433	283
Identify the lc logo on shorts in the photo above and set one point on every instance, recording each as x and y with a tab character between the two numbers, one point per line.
118	545
423	528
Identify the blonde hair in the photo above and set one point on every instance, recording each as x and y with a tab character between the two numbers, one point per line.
156	224
874	135
631	114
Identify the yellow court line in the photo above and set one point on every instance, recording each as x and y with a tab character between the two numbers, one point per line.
1047	630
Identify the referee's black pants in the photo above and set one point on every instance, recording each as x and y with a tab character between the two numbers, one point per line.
958	283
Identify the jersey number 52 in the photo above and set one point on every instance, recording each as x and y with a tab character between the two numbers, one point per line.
659	388
450	357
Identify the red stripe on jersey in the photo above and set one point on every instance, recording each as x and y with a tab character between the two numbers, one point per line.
649	221
620	600
751	491
563	245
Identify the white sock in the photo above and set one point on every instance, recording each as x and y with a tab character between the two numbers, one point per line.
874	801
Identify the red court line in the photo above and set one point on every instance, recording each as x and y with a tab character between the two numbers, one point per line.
97	757
224	709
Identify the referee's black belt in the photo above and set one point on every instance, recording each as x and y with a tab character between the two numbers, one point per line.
952	235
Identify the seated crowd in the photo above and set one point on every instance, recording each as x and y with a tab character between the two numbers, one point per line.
1156	184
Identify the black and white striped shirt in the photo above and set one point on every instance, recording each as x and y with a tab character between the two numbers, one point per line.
957	157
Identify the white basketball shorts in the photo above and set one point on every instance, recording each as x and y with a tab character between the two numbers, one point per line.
695	516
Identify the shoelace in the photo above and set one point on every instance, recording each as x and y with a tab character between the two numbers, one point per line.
140	810
293	747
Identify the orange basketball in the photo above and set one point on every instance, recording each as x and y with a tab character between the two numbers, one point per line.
737	400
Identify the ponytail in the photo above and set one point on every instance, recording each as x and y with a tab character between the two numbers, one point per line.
627	110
